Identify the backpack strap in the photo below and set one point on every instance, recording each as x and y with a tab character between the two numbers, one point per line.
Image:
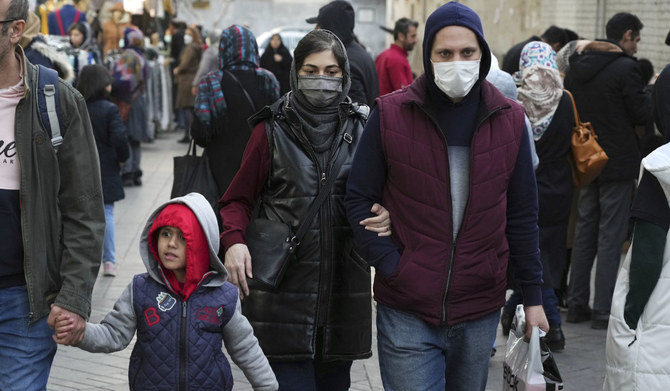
76	16
60	22
48	104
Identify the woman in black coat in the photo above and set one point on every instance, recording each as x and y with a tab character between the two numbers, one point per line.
550	112
95	85
277	59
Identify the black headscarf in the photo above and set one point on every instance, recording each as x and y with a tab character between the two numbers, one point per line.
319	124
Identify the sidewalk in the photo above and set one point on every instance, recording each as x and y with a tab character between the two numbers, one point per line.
582	364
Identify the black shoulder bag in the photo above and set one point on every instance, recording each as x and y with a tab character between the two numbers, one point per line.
272	244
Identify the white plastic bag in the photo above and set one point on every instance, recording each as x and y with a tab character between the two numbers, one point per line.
523	360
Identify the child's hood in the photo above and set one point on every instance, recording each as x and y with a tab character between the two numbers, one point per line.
209	229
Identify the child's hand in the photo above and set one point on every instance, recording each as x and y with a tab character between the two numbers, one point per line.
69	326
63	326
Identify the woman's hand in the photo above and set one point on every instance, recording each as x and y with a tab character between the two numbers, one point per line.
238	263
381	223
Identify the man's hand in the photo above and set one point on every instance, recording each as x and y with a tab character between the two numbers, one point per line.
535	317
194	90
380	223
69	326
238	263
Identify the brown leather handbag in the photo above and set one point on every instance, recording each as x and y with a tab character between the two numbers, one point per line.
587	157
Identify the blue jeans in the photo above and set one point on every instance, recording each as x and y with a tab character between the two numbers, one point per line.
313	375
414	355
26	349
109	246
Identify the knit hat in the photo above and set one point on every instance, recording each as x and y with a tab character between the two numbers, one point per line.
454	14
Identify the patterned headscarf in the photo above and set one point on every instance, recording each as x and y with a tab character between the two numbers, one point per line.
540	85
129	70
237	50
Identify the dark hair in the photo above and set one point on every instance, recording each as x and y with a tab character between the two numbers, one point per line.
402	25
646	69
620	23
554	35
79	27
18	10
317	41
572	36
93	79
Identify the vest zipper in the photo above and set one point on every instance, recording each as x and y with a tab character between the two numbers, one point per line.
452	253
182	348
326	270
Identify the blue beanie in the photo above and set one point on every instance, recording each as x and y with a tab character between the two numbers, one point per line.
454	14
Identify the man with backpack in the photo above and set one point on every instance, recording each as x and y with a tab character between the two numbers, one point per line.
52	210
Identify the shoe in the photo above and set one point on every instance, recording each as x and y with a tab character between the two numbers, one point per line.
578	314
109	269
128	179
599	324
136	178
555	339
506	319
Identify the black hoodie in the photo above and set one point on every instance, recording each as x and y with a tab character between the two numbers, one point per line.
338	17
609	93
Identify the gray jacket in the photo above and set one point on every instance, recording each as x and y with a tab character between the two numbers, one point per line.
116	330
62	212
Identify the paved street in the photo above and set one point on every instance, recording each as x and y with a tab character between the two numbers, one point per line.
582	363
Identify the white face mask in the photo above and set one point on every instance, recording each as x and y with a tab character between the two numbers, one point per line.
187	39
456	78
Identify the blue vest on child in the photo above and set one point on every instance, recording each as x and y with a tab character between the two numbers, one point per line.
179	342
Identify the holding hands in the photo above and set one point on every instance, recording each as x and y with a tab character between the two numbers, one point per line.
69	326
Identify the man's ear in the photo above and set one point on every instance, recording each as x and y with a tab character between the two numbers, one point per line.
627	36
16	31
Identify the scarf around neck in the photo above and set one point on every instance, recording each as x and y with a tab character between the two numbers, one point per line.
319	124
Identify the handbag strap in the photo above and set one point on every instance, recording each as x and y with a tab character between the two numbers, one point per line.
193	150
246	94
324	192
574	107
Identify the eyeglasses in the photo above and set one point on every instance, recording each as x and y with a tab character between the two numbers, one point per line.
8	20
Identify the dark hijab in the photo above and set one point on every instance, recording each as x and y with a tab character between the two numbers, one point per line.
319	123
281	69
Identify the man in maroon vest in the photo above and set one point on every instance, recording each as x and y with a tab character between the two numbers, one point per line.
449	158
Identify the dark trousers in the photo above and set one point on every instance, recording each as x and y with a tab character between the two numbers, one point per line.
313	375
601	230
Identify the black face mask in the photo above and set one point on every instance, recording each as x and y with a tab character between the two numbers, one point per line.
320	91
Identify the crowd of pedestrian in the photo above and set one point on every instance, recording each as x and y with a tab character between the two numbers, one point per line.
453	181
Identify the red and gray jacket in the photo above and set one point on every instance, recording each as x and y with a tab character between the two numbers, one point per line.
442	280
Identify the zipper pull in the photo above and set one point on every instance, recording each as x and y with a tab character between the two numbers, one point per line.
323	178
183	309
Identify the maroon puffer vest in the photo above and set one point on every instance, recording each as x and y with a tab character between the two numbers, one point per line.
442	281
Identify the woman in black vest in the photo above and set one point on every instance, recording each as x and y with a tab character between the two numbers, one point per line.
318	319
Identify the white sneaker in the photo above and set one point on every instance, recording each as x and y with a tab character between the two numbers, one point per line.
109	269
